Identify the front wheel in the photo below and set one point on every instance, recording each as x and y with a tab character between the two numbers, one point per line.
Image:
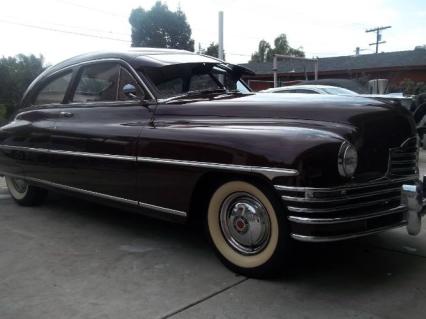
247	229
25	194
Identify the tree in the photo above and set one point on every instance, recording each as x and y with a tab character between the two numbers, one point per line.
160	28
265	52
16	73
282	47
212	50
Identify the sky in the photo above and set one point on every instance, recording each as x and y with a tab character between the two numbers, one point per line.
322	28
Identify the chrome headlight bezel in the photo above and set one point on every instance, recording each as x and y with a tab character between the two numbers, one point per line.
347	160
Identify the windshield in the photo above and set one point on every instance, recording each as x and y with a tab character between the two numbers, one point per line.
338	91
177	79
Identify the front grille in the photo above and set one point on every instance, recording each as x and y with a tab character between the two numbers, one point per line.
403	159
321	214
343	201
326	214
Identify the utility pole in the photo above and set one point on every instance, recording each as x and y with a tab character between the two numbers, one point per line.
220	53
378	36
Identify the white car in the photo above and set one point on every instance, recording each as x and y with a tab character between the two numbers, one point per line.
311	89
405	101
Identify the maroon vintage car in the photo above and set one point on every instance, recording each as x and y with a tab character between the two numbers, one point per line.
177	135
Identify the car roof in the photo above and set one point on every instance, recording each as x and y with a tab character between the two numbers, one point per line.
143	57
135	57
304	86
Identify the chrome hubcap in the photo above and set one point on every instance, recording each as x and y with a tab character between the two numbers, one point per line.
245	223
20	185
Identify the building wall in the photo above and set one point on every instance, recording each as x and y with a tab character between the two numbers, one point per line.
395	76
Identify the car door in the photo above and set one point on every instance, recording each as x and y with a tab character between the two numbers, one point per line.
26	140
94	144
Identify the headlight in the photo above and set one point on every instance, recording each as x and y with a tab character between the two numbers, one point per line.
347	160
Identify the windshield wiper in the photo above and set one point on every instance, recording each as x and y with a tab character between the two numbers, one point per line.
198	94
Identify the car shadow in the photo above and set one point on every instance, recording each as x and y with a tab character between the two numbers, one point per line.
354	263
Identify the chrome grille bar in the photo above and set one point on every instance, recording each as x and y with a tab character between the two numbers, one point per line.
343	207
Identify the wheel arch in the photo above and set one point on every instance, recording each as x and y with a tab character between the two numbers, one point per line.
210	181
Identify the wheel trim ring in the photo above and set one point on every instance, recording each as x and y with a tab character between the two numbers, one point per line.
11	185
240	260
20	185
230	228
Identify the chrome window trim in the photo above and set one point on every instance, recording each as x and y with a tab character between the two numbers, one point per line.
118	60
100	195
269	172
338	220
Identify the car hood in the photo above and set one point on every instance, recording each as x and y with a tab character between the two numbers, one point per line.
367	116
372	126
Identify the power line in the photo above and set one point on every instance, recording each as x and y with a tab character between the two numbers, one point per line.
70	3
378	36
63	31
84	28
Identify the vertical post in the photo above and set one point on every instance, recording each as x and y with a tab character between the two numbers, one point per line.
377	40
316	69
220	35
274	68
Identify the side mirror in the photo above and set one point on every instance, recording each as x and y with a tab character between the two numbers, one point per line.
131	91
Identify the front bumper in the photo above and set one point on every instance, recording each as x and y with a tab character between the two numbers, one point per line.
332	214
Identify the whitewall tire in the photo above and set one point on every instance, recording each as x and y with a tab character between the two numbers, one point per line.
24	193
247	229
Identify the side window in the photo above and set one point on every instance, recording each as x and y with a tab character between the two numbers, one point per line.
305	91
171	87
127	78
54	91
98	82
202	82
285	91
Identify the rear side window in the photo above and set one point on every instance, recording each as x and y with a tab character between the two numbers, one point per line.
305	91
54	91
98	82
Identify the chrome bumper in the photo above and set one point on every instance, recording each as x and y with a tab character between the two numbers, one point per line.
333	214
412	197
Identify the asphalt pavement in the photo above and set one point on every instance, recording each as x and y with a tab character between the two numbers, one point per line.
73	259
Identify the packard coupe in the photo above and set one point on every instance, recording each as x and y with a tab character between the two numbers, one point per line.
179	136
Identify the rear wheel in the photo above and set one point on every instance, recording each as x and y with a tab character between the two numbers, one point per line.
247	229
23	193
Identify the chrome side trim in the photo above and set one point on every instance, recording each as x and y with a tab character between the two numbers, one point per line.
69	153
94	155
337	220
163	209
23	149
346	187
100	195
267	171
321	239
340	208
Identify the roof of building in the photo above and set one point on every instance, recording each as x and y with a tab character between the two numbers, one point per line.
413	58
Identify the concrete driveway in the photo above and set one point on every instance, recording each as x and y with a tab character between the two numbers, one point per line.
74	259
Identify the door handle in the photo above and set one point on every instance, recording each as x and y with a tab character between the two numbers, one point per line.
66	114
